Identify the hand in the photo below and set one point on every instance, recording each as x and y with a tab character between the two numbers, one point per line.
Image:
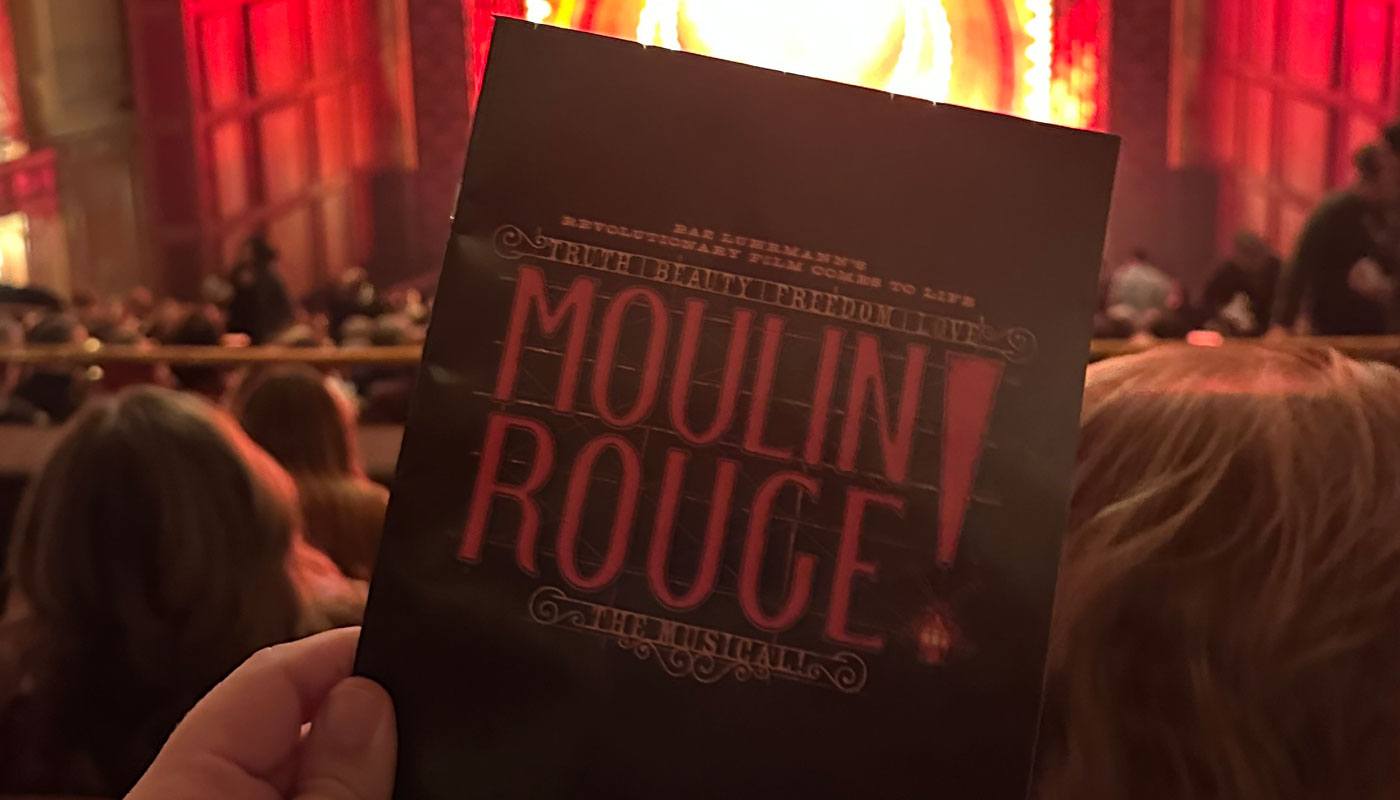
1367	279
244	740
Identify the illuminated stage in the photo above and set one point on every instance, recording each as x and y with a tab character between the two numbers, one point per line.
1041	59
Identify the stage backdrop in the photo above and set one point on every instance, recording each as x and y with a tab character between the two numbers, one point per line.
1042	59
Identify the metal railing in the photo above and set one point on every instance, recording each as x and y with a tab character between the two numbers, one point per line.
90	354
1376	348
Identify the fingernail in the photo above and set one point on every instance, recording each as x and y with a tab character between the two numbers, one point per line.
352	715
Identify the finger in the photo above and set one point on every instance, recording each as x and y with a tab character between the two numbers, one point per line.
249	726
349	754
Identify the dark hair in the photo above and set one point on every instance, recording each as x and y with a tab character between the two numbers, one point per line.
293	415
150	557
200	327
306	425
54	329
1369	162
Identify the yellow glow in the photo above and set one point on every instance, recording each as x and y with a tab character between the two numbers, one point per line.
1038	102
903	46
564	12
14	249
538	10
925	66
659	25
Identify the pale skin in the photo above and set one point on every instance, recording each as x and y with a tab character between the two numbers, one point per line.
249	738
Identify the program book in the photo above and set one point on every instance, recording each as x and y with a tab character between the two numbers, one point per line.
742	445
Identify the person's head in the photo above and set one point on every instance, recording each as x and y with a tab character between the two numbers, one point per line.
149	556
56	329
161	322
294	414
118	376
139	303
1391	137
356	331
351	278
1251	251
1228	616
1377	172
259	253
390	330
82	301
201	327
301	334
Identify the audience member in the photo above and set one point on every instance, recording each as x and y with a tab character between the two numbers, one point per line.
1390	236
157	549
121	375
1239	299
260	306
160	324
1143	298
409	304
200	327
308	426
17	299
82	303
14	410
1228	618
1390	138
356	331
386	391
350	295
139	303
55	390
1340	262
301	334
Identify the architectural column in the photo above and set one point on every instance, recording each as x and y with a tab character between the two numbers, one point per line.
416	205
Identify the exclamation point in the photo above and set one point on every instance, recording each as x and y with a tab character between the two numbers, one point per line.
969	393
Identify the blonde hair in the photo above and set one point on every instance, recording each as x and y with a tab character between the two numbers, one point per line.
1228	619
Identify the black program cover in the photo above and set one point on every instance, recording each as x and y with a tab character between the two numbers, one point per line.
741	451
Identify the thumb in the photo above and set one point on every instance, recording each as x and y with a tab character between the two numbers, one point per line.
350	752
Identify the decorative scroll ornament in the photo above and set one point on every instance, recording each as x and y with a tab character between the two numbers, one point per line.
706	655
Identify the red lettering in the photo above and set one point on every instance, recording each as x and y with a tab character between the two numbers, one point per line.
651	364
867	379
685	372
489	486
822	391
751	568
726	475
763	391
849	565
969	393
532	294
629	482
